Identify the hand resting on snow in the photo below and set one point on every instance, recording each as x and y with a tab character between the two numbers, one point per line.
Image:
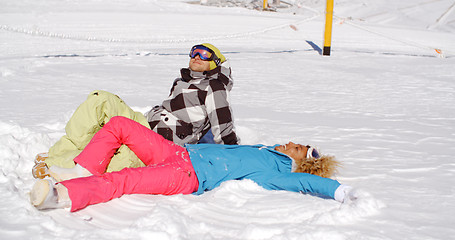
346	194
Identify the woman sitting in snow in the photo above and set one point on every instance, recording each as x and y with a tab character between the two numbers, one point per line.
172	169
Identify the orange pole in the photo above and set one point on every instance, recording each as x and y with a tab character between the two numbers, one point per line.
328	28
264	5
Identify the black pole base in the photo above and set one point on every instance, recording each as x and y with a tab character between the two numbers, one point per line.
326	51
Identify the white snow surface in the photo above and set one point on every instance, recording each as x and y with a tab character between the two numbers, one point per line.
383	103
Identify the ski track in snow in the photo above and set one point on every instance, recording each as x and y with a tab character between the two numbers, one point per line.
383	103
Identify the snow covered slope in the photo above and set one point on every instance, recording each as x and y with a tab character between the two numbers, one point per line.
383	103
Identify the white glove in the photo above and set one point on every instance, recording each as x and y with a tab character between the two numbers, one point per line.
345	194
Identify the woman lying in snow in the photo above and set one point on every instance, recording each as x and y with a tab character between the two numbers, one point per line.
172	169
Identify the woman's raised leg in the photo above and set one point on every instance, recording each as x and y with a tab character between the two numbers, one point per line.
175	176
149	146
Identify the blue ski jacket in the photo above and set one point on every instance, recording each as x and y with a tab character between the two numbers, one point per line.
216	163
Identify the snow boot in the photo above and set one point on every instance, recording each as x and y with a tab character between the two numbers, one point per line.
46	195
40	169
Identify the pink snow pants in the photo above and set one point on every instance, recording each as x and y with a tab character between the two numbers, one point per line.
168	168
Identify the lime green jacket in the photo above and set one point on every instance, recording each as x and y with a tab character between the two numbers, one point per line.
88	118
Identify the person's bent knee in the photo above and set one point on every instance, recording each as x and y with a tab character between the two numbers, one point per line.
103	94
119	120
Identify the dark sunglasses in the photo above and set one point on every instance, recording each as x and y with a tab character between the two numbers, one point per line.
312	152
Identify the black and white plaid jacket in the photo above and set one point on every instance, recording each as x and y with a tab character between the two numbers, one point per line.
197	103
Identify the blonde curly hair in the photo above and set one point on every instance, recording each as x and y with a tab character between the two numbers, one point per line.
325	166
